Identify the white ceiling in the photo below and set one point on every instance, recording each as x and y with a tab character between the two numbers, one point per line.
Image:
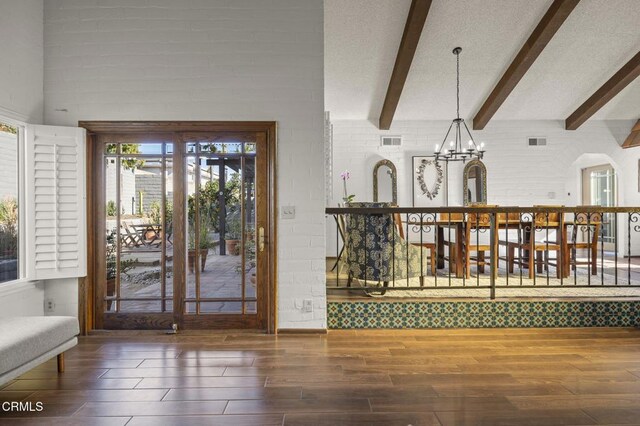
362	39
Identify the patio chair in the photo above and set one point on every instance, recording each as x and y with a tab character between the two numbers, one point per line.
129	236
376	252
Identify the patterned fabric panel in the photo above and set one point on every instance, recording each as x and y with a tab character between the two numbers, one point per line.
375	250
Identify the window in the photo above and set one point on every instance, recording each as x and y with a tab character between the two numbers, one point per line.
9	201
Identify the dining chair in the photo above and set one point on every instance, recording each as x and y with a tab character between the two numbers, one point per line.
478	223
377	253
533	253
589	224
453	246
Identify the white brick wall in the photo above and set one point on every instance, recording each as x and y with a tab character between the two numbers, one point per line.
208	60
24	299
21	27
517	174
21	97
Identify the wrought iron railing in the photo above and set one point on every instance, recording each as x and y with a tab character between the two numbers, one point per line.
378	249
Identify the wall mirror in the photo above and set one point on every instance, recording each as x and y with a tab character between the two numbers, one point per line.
474	181
385	182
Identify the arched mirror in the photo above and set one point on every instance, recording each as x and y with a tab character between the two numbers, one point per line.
385	182
474	178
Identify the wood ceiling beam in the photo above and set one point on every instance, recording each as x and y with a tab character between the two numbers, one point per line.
529	52
634	137
412	30
604	94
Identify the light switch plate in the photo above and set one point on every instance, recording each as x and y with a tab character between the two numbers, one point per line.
287	212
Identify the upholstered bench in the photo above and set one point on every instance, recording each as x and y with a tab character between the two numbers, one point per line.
26	342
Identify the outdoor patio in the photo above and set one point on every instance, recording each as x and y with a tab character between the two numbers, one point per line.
220	279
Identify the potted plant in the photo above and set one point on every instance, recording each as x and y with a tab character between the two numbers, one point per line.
205	242
112	268
233	233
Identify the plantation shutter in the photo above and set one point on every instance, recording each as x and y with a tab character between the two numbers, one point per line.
55	202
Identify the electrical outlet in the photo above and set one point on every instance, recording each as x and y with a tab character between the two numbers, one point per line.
287	212
49	305
307	305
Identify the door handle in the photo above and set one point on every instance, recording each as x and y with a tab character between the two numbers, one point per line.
261	238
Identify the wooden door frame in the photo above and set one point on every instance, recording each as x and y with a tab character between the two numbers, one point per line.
89	311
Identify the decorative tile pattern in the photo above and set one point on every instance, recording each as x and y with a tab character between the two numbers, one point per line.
482	314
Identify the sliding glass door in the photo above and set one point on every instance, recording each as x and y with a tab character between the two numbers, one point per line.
184	226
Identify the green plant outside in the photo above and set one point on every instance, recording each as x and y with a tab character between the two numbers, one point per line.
127	148
9	227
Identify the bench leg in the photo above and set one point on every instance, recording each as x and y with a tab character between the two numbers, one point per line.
61	363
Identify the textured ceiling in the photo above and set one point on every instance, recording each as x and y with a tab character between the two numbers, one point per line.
362	38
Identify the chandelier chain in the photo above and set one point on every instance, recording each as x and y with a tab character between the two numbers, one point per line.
458	84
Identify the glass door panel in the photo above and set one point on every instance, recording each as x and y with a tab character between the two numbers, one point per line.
221	224
138	253
599	189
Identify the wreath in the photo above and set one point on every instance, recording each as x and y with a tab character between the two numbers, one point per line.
431	194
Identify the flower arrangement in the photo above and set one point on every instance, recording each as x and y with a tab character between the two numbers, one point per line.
345	176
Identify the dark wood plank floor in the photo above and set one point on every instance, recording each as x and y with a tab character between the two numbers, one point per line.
386	377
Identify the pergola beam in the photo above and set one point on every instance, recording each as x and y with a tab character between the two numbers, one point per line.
529	52
412	30
604	94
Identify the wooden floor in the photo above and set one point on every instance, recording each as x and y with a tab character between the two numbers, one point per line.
387	377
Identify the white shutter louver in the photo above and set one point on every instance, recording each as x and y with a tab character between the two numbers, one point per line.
55	198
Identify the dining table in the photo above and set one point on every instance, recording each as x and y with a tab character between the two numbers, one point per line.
455	227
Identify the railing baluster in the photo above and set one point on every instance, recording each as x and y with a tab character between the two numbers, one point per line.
449	247
546	252
436	240
366	251
338	252
478	252
574	252
421	224
393	248
600	239
407	262
506	237
589	242
561	239
520	242
629	249
493	270
615	248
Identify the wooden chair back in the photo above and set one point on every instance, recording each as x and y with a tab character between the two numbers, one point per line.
551	217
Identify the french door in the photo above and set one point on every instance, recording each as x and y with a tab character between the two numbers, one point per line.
183	222
599	189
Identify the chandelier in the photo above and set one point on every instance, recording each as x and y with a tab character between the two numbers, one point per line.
451	148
